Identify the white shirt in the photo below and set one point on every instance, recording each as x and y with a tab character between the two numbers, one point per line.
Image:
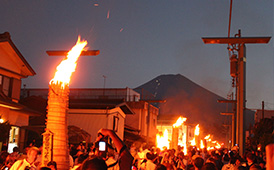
22	164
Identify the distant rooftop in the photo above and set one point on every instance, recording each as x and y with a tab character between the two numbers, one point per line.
127	94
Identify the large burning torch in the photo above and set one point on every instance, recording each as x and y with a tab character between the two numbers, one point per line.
175	132
57	110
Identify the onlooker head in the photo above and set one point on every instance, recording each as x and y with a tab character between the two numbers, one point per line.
198	162
94	163
209	166
15	149
32	154
52	165
255	167
160	167
44	168
250	157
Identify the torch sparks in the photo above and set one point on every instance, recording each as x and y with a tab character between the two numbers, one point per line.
108	15
68	65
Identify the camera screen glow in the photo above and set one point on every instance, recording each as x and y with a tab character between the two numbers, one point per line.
102	146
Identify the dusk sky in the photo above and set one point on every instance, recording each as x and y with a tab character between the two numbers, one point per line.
142	39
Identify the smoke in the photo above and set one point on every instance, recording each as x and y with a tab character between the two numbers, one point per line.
198	106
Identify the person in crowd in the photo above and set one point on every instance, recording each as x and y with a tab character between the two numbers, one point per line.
262	164
134	154
181	161
160	167
230	165
52	165
255	167
111	161
90	149
97	163
81	158
212	160
73	151
44	168
38	160
71	160
4	155
218	161
27	163
239	162
143	150
81	147
149	164
94	163
14	156
250	158
198	163
209	166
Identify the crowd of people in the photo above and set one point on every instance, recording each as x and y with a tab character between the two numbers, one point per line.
218	159
143	157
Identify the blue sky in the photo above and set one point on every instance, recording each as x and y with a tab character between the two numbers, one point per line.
142	39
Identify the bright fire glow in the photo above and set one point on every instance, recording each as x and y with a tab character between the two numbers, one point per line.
162	141
202	146
193	142
207	137
68	65
218	146
197	130
179	121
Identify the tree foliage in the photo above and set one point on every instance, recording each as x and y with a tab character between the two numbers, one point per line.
261	134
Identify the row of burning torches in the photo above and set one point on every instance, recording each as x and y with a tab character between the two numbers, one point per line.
197	141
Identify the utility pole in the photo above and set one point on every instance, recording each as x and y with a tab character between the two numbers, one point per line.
239	42
262	109
104	84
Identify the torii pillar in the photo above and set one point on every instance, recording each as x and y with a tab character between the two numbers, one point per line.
241	78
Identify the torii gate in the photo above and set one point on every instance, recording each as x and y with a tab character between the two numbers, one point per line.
240	76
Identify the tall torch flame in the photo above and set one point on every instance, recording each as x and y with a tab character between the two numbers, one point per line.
197	130
179	121
58	107
162	140
68	65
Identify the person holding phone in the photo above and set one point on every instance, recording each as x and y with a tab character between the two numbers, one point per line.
125	159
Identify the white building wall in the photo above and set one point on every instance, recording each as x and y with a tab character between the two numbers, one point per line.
93	120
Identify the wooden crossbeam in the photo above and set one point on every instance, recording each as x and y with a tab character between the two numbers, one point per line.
64	53
236	40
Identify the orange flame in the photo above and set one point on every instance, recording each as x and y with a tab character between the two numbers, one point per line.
207	137
202	146
197	130
193	142
179	121
68	65
162	141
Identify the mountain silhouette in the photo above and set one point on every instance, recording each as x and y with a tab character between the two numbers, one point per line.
188	99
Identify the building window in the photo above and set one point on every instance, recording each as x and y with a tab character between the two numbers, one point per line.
115	123
13	138
5	83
